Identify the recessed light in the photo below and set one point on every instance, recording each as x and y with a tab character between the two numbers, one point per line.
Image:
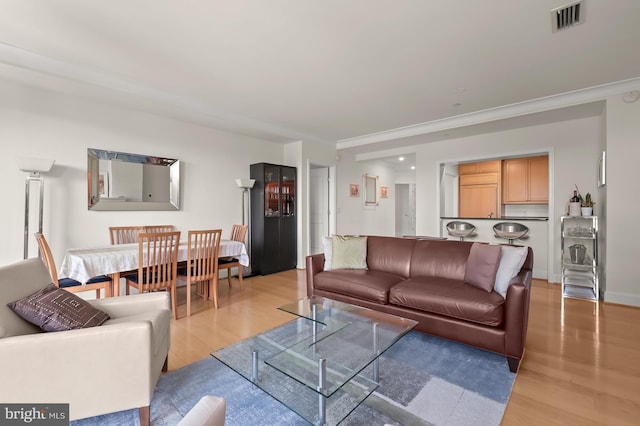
413	167
400	158
460	90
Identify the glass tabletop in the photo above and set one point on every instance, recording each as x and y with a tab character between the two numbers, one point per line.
332	358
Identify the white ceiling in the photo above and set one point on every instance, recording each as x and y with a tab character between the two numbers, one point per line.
367	74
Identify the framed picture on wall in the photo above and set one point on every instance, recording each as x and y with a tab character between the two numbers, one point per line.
384	192
354	190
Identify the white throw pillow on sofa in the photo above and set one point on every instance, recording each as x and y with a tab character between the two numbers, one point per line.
510	264
327	242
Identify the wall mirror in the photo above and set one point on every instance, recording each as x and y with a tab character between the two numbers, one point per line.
370	190
124	181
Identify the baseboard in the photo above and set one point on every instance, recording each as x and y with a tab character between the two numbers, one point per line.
622	298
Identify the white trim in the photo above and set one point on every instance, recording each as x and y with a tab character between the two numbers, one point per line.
561	100
622	298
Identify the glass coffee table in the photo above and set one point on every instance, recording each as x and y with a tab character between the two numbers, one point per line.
323	364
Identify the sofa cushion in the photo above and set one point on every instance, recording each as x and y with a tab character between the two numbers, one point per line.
391	255
364	284
510	264
349	252
445	259
17	281
482	265
327	243
449	297
54	309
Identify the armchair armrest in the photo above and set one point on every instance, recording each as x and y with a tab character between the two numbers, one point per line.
134	304
74	366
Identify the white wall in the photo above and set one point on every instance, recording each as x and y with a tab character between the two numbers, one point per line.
36	123
353	216
622	232
573	148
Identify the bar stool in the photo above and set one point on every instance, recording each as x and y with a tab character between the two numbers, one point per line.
461	229
510	231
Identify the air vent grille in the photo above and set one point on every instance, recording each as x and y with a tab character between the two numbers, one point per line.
567	16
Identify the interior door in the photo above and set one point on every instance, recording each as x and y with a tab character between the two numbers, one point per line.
318	208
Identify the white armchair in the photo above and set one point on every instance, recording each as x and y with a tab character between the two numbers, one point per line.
96	370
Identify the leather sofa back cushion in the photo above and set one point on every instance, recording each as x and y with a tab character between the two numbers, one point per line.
391	255
445	259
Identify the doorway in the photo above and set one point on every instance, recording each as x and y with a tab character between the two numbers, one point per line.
320	179
405	209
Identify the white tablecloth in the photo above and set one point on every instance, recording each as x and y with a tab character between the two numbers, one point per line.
84	263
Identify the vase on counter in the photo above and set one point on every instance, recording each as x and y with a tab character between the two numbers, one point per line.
574	209
587	211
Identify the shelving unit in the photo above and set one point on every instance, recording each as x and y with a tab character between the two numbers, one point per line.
273	218
580	276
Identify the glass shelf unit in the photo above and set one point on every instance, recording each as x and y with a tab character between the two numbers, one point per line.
580	257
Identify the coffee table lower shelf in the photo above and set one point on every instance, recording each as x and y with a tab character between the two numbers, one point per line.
253	354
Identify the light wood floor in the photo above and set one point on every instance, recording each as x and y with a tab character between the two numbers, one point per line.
581	365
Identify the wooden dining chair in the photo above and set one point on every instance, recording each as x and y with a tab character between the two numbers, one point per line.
158	264
98	283
124	234
238	233
202	263
158	228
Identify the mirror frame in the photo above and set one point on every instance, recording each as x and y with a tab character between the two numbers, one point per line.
370	190
93	174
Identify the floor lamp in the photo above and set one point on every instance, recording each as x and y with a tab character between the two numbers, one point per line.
246	185
35	167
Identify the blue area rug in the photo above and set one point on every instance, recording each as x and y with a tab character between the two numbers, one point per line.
424	381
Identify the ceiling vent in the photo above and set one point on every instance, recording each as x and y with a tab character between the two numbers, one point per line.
567	16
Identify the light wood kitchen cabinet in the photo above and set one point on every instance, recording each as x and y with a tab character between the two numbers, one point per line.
479	200
525	180
479	189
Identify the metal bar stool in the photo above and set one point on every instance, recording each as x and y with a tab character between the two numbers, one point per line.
510	231
461	229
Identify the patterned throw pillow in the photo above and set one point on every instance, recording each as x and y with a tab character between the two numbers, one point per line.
55	309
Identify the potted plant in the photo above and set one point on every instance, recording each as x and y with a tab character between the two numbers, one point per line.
586	205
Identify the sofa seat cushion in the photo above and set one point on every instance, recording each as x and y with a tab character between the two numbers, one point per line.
363	284
452	298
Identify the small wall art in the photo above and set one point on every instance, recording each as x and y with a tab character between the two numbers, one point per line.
384	192
354	190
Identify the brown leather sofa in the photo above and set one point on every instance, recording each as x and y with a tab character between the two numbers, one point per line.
424	280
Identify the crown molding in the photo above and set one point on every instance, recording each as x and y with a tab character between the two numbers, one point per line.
561	100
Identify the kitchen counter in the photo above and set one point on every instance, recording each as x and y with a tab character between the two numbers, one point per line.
537	238
500	219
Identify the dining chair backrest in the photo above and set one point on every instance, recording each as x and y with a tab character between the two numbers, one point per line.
47	257
124	234
202	258
239	232
158	260
158	228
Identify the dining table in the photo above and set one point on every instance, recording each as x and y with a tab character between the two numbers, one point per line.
82	264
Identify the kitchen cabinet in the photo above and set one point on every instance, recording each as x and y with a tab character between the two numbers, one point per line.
579	248
479	189
273	218
525	180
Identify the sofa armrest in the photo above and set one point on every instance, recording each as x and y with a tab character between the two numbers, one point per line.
315	264
71	366
517	313
123	306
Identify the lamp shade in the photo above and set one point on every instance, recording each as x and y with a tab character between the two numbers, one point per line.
35	165
245	183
